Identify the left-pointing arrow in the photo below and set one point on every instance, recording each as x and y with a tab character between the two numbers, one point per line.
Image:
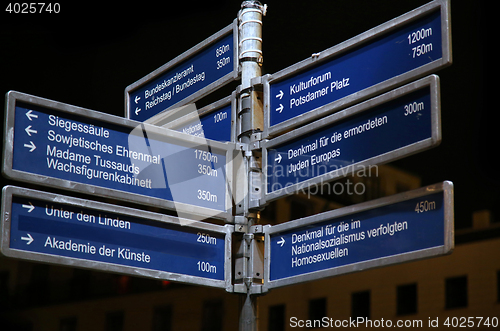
31	116
137	98
31	146
30	207
137	110
29	239
29	130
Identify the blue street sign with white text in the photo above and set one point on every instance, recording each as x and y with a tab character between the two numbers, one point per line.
65	230
73	148
395	229
187	78
215	125
394	53
396	124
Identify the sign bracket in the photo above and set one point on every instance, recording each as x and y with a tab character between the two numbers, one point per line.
249	262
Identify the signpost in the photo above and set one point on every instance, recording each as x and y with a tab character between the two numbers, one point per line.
396	52
215	121
400	228
341	133
47	227
192	75
77	149
383	129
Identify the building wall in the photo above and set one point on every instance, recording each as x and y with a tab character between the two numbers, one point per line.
187	304
479	261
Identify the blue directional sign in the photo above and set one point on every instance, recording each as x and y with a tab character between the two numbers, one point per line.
48	227
214	121
396	229
195	73
378	60
78	149
396	124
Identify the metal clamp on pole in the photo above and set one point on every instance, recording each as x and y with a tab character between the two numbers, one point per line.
249	262
247	54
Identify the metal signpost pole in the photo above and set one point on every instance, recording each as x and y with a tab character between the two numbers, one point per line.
250	118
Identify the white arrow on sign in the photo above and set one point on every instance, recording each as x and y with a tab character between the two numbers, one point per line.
280	95
137	98
29	130
137	110
278	158
280	108
30	207
32	146
31	116
29	239
281	242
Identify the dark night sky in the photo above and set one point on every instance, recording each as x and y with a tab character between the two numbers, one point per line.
88	53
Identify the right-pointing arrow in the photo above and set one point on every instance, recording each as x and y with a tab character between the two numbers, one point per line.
29	239
281	242
280	95
30	207
278	158
31	146
280	108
